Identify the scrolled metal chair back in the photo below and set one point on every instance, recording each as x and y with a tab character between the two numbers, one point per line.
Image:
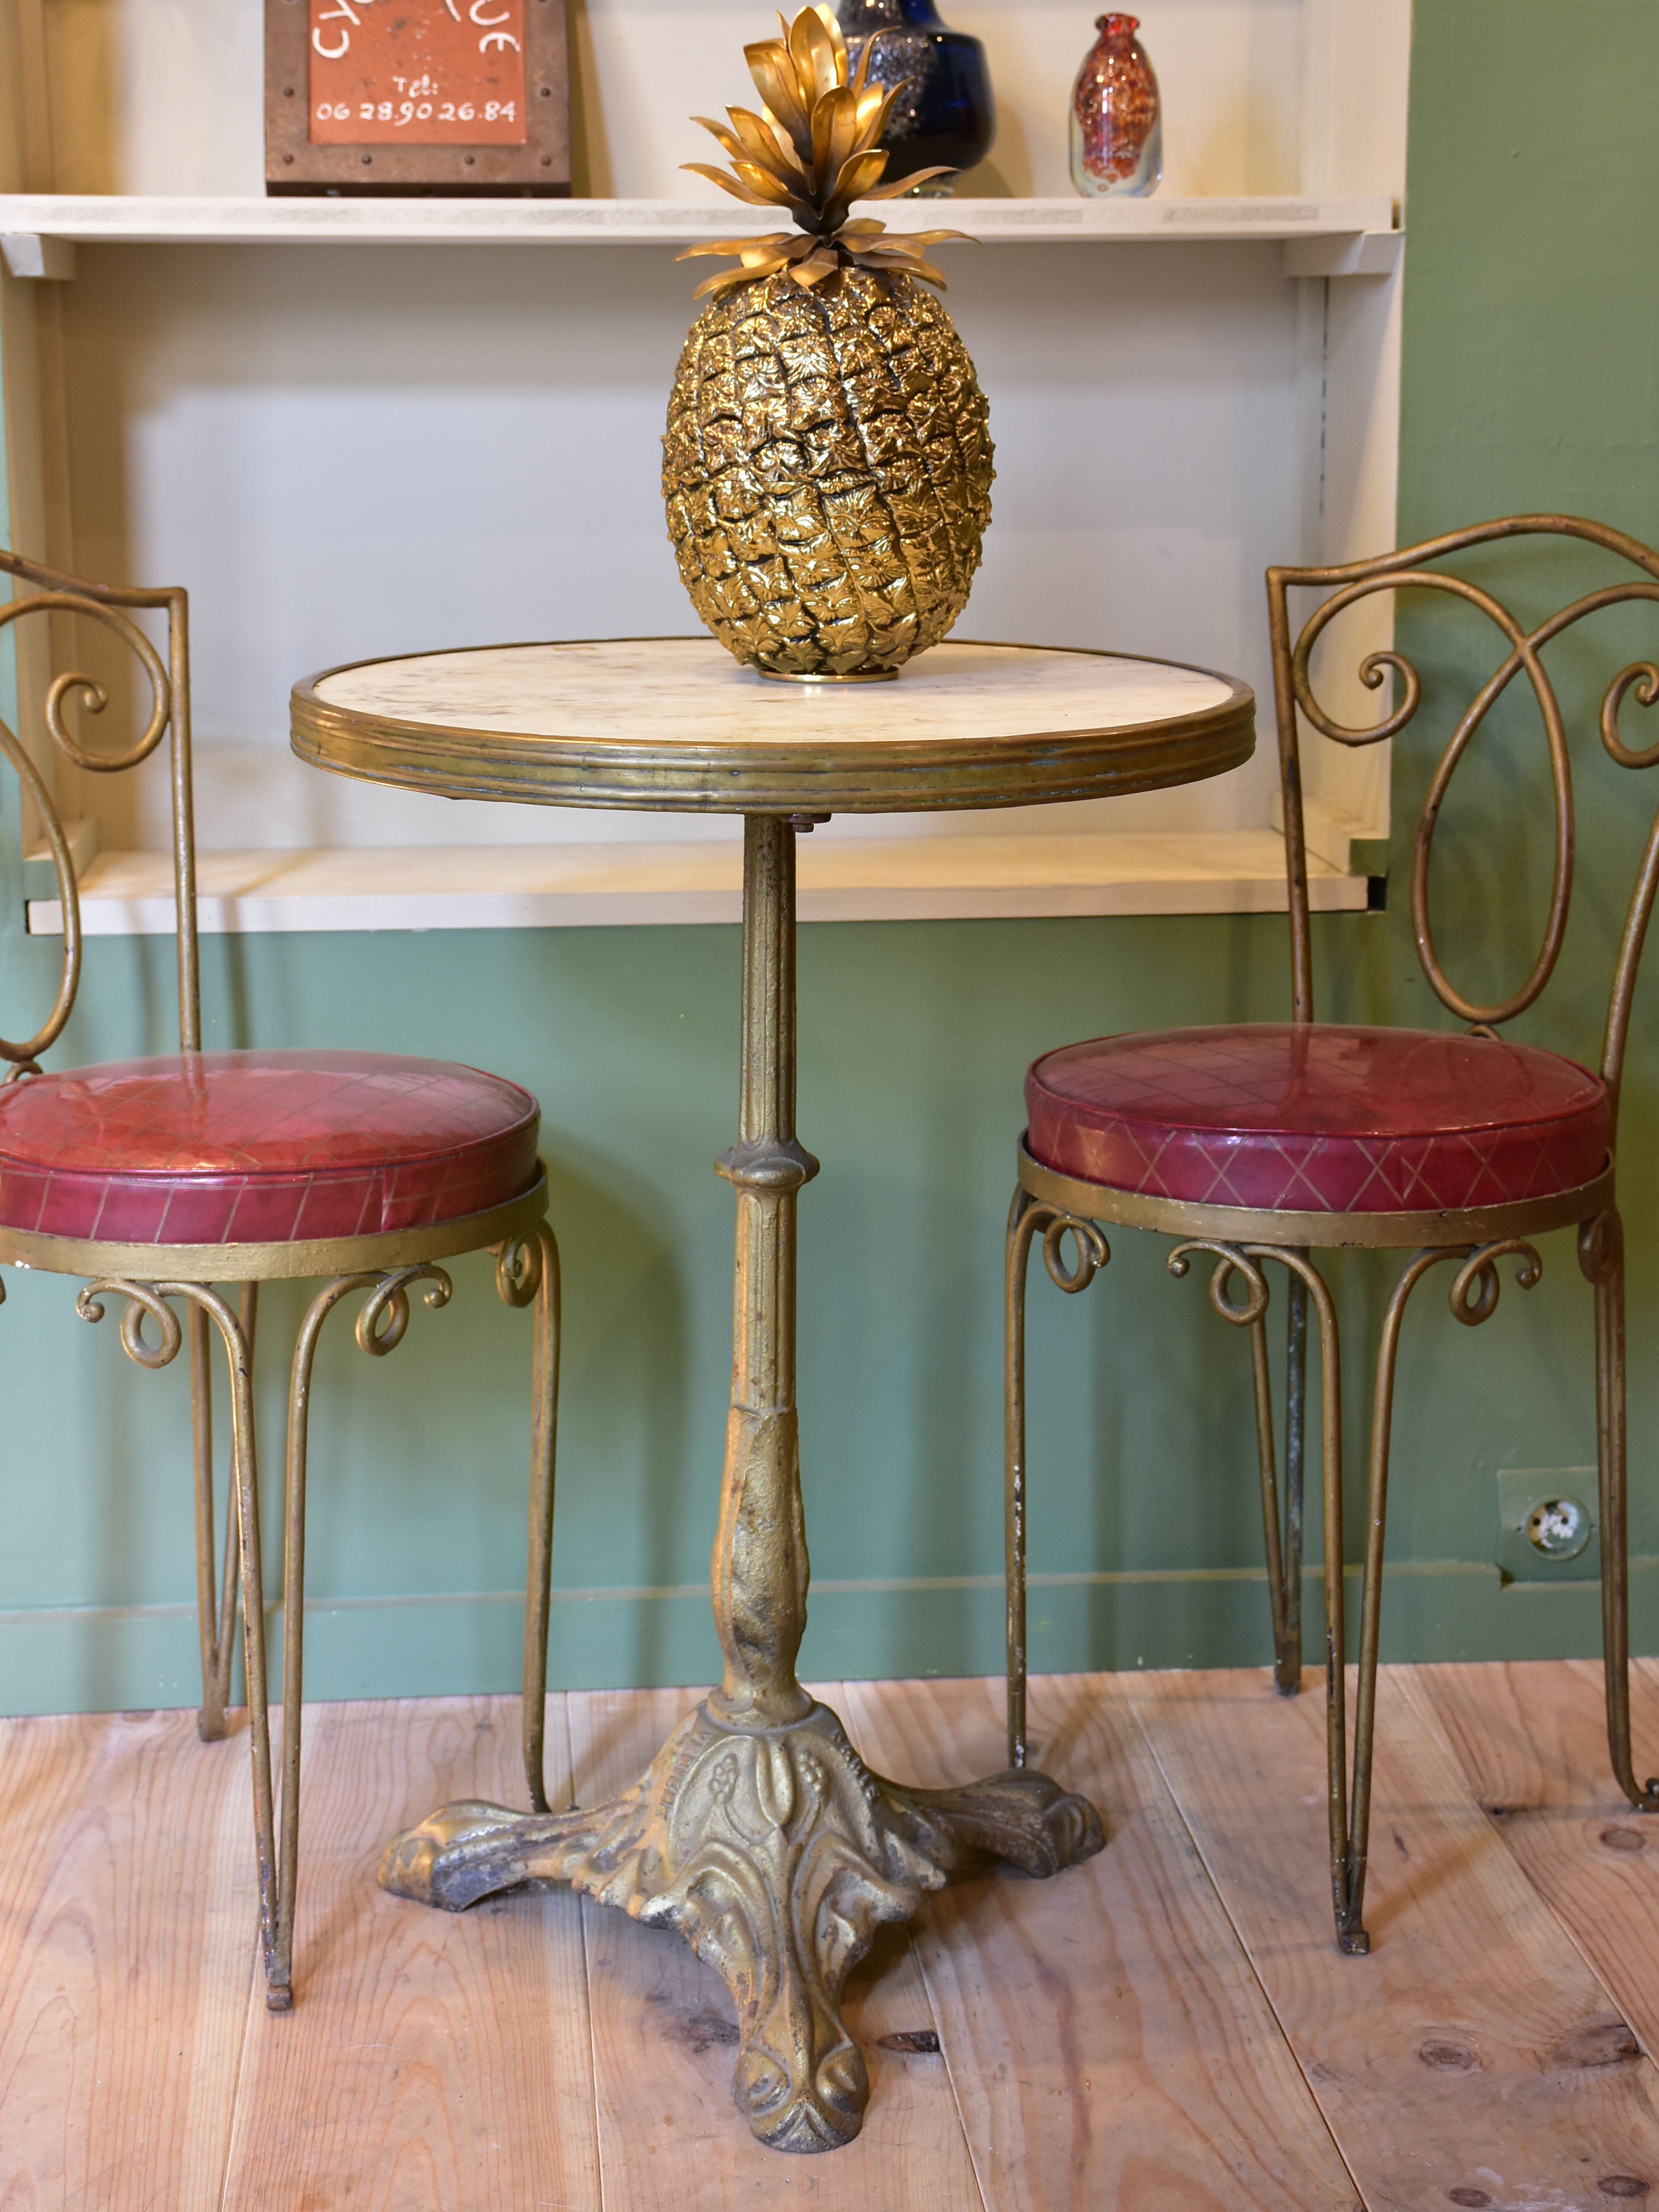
49	593
1522	656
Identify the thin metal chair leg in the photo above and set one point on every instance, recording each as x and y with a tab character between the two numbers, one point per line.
1602	1254
211	1719
1473	1298
1287	1670
389	1300
1351	1935
1351	1900
1023	1216
1243	1261
216	1612
150	1300
245	1479
538	1586
279	1988
1026	1216
1268	1462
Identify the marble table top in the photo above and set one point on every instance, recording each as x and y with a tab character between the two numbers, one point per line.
690	691
676	723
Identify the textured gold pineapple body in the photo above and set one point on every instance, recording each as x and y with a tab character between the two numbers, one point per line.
827	470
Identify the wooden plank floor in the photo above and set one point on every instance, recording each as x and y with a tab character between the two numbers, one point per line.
1167	2029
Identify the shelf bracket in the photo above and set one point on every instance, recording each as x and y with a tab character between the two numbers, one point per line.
1344	254
30	253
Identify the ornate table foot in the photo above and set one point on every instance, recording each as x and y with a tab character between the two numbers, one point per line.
774	1853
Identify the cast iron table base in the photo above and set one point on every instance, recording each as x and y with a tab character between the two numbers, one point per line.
774	1853
759	1835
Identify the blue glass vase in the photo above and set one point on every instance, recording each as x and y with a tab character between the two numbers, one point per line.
945	112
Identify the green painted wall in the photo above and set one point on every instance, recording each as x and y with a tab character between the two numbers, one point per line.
1528	383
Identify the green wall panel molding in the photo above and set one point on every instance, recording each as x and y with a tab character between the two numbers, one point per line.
1532	209
914	1041
89	1658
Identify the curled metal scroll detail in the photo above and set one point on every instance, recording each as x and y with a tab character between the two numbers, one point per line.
384	1315
142	1301
1475	1287
1522	658
1642	677
1230	1260
518	1270
94	700
1374	670
25	1054
1088	1244
92	696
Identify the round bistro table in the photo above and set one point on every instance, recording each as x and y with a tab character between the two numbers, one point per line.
758	1833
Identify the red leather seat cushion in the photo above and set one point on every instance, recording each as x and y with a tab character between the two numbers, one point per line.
260	1147
1318	1118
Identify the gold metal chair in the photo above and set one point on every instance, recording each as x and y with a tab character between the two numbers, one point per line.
1275	1142
163	1180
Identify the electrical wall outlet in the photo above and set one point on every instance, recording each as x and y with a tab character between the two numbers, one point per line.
1548	1524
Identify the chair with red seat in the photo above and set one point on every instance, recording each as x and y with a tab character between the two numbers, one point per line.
163	1180
1280	1141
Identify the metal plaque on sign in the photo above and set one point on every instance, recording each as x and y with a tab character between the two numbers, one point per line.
395	96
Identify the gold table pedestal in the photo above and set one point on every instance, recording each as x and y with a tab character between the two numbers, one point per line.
758	1833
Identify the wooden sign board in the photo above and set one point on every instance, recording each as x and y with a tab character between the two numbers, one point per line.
392	96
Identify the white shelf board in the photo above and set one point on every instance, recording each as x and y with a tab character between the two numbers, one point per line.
943	877
37	234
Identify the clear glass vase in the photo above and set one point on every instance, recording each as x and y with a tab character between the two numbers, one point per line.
1117	124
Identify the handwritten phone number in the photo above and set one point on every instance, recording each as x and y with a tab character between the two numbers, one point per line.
420	110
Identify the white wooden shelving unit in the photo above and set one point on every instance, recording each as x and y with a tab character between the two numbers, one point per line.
1322	237
347	451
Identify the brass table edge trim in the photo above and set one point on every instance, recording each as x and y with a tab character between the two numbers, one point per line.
1233	1224
720	778
279	1260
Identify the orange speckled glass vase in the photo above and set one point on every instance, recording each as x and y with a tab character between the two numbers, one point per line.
1117	128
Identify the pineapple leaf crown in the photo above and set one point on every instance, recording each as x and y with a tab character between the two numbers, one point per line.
812	149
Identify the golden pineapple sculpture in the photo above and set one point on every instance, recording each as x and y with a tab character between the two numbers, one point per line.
827	468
